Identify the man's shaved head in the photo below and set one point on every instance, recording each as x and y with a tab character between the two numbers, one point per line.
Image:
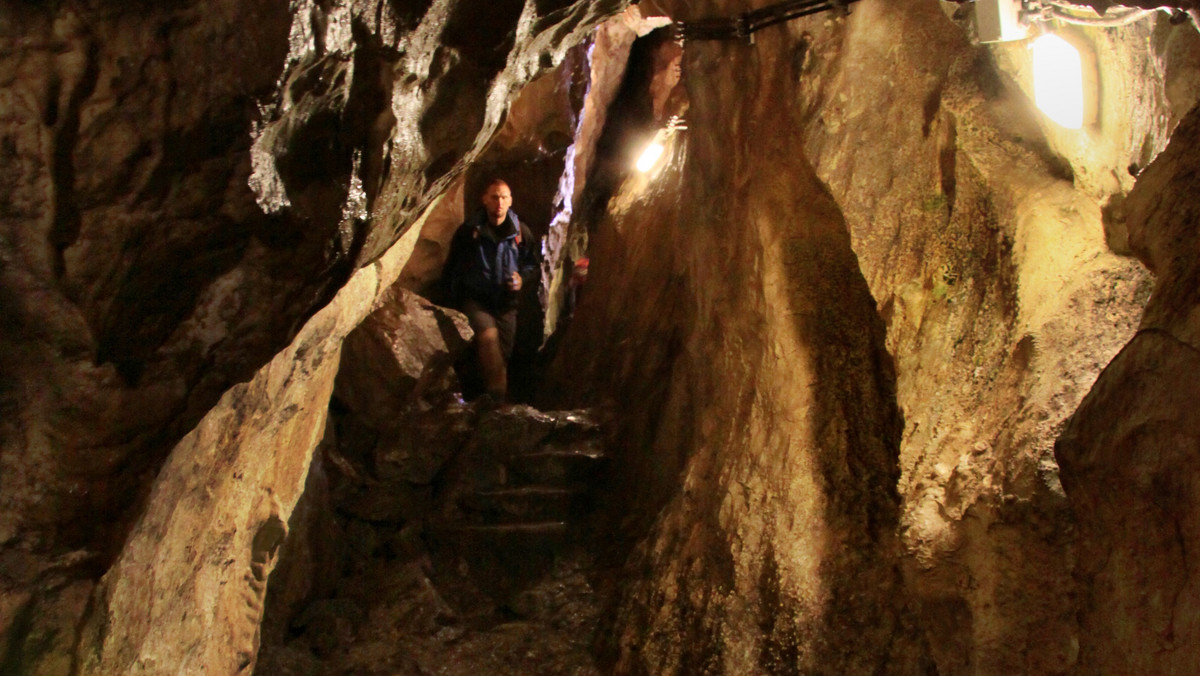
497	198
495	182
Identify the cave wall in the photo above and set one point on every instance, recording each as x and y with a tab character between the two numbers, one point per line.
990	241
189	187
755	423
131	243
187	592
1128	455
984	235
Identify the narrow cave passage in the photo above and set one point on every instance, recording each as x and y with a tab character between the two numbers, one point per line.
769	246
438	533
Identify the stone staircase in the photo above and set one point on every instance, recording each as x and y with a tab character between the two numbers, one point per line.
516	498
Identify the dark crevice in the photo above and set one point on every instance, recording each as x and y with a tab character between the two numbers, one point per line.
947	160
408	13
484	43
18	631
66	224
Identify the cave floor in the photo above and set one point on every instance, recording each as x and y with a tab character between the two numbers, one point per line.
497	578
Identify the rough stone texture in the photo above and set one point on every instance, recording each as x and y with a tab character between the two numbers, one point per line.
186	593
132	130
187	184
607	57
1128	456
981	234
310	558
132	247
402	353
424	269
548	178
757	432
414	591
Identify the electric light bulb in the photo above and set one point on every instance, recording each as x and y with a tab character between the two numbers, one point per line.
649	156
1058	80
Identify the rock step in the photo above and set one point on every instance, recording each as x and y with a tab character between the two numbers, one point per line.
556	467
503	558
528	504
504	537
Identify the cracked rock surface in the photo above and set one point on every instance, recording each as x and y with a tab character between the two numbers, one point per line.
188	187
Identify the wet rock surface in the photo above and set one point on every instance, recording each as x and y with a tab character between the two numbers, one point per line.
491	577
869	264
401	359
187	590
188	186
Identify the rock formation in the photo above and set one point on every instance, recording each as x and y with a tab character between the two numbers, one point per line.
190	186
982	236
756	402
983	242
1128	455
840	337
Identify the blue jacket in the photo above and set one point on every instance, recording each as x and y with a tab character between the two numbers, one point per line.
482	261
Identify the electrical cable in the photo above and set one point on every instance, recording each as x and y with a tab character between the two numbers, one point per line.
1067	12
1100	21
744	25
1083	7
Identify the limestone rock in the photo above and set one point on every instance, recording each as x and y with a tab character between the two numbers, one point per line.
728	324
424	270
1130	468
311	557
289	661
1128	455
418	447
403	352
188	588
403	597
1162	233
136	137
981	234
188	187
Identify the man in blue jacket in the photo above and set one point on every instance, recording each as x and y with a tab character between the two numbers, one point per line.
492	257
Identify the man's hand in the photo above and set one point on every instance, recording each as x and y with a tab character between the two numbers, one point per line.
514	284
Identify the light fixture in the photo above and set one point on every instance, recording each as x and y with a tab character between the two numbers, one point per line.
657	146
650	155
1058	80
1008	20
1058	72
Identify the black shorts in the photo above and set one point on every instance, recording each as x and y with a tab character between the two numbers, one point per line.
504	322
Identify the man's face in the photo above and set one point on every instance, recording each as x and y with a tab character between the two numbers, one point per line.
496	200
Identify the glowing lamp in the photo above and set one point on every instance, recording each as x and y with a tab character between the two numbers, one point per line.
1058	80
649	156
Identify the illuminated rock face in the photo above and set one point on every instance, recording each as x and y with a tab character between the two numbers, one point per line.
200	201
1128	455
726	314
984	231
985	236
866	266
